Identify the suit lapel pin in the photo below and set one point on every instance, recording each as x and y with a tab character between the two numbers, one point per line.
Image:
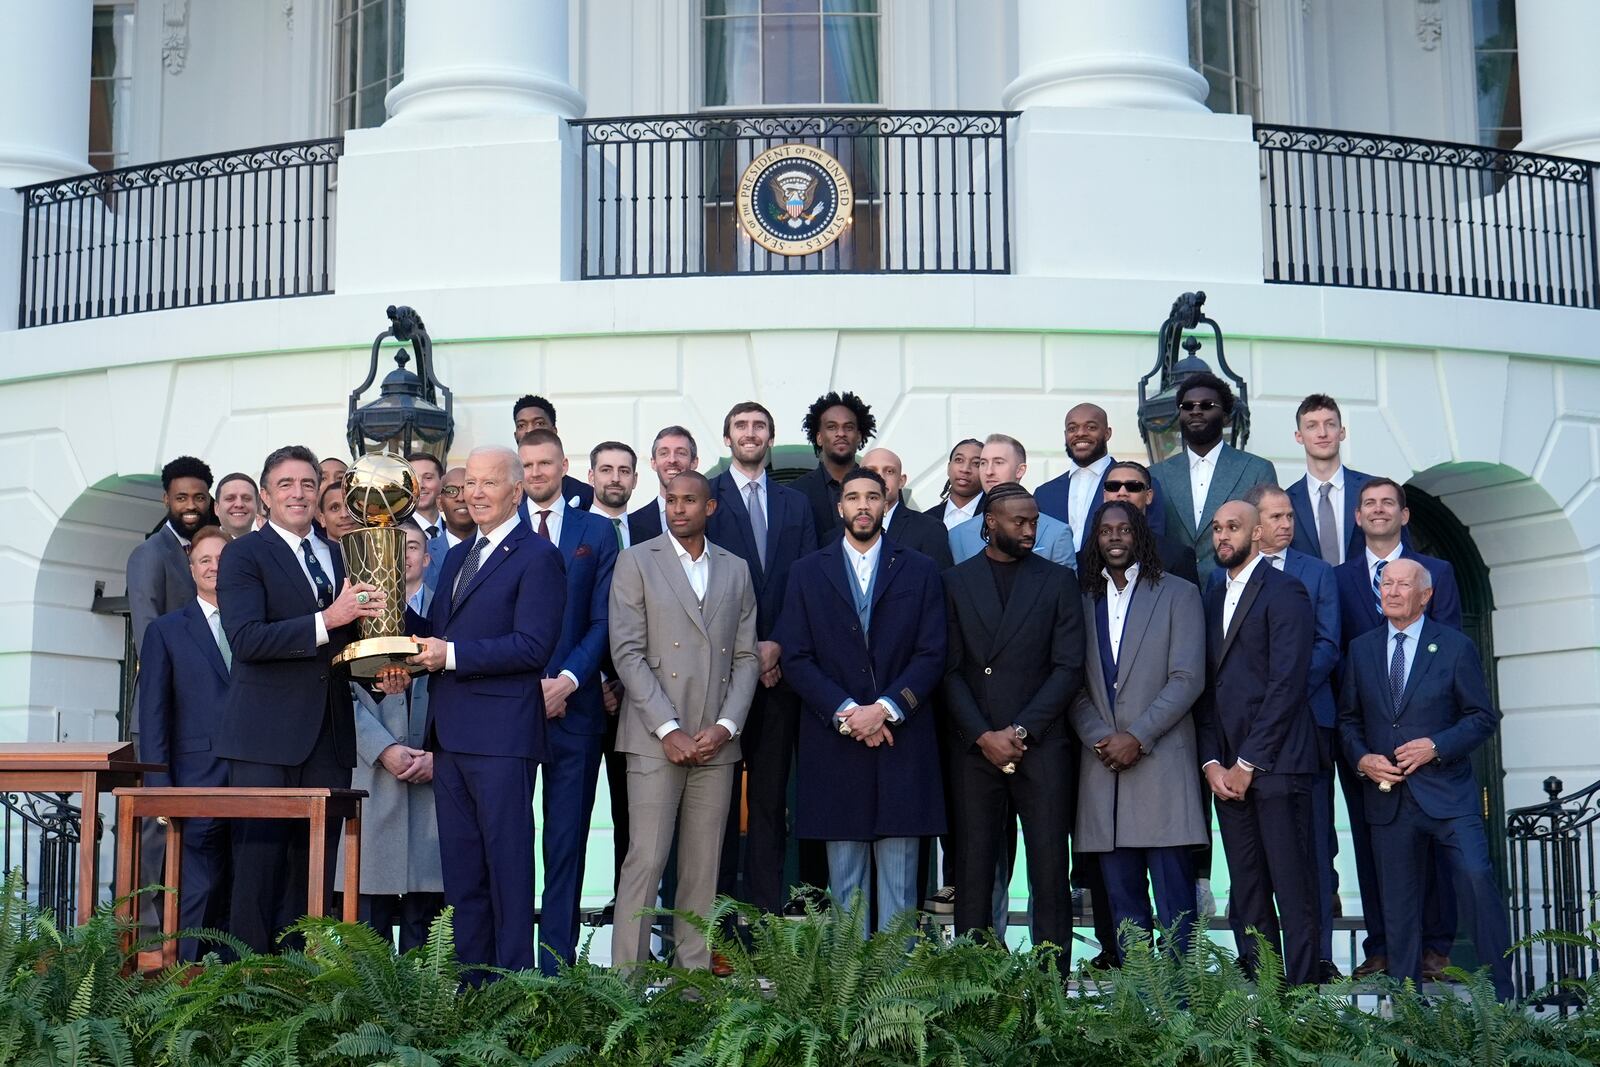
1433	648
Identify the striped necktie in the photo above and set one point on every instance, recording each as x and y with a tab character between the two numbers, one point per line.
1377	584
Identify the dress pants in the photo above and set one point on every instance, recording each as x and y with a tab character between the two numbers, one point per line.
1440	917
850	866
1464	845
664	798
270	861
485	809
1267	840
411	913
1040	789
207	866
617	786
571	776
1130	875
1326	843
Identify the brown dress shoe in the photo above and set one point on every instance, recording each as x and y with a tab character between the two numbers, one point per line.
720	965
1372	965
1433	965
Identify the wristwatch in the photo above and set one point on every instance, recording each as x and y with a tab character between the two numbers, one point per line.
1020	731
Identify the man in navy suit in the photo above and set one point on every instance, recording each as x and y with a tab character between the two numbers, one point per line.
769	526
1382	516
534	412
1258	744
183	681
575	720
1413	708
671	453
1075	497
287	719
863	635
1208	472
1277	529
1326	499
493	627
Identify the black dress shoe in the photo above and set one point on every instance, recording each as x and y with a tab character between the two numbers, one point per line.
1328	972
1106	961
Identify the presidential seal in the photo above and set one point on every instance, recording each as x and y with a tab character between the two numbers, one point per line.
795	199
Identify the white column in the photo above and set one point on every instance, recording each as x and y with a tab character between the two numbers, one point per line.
1104	53
1560	80
44	90
484	59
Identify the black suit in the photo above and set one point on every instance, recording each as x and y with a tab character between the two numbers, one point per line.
576	493
1257	711
822	493
1019	663
913	530
645	523
287	721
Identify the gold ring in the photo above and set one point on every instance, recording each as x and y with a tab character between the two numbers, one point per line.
362	598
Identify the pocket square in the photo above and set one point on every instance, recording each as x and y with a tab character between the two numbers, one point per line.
583	550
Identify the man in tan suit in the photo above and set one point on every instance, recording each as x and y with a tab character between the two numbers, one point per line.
683	639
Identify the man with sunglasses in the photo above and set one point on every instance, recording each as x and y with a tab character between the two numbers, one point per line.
1208	473
1130	483
1075	497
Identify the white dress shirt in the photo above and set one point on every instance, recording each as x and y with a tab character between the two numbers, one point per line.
495	536
212	613
618	522
698	571
661	513
888	516
1201	470
450	539
1230	601
743	485
1081	484
1117	601
324	554
558	512
1335	497
863	563
955	516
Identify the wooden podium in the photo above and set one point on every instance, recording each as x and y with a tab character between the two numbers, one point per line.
87	769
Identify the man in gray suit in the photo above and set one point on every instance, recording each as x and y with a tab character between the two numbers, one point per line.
1207	473
158	569
683	640
1139	772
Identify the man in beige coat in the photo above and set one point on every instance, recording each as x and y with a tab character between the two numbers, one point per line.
683	640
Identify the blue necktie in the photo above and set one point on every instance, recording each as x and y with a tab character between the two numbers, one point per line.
1377	584
468	569
1397	673
319	577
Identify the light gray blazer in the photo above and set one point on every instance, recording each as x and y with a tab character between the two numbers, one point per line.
158	580
677	660
1161	672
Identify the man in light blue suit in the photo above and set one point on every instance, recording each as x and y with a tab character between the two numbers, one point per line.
1208	472
1005	460
1277	526
574	710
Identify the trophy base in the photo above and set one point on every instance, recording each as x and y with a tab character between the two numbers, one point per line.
367	657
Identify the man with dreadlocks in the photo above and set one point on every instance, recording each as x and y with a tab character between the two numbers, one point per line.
1139	776
1015	632
837	425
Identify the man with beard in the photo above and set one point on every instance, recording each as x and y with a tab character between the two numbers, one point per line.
613	474
1075	497
863	638
575	719
238	505
1258	745
534	412
963	486
837	425
671	453
1129	482
158	569
430	511
1138	804
1015	629
769	526
1005	460
1207	473
904	526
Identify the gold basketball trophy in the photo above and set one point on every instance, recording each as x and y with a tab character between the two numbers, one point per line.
381	487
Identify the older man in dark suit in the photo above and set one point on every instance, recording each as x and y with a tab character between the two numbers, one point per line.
863	635
287	719
1258	744
1413	708
492	629
184	670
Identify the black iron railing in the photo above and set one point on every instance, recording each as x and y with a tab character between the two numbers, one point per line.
931	192
40	833
1352	209
214	229
1555	885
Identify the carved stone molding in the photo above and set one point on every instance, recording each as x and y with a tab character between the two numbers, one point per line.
1430	24
174	35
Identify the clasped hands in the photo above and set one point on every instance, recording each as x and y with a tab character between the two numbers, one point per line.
869	724
1119	751
413	766
686	750
1407	759
1231	783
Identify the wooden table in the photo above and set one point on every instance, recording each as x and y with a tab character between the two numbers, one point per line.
176	803
87	769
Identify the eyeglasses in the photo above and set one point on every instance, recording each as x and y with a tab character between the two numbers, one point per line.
450	490
1134	486
1197	405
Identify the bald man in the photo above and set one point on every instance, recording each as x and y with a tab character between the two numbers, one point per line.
1258	744
903	526
1075	496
